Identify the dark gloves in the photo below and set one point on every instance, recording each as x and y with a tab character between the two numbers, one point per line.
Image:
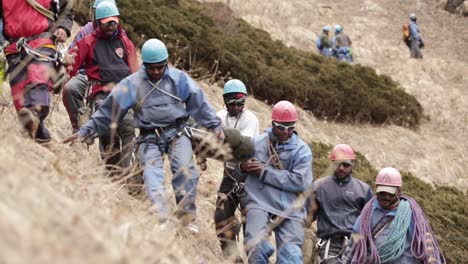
252	166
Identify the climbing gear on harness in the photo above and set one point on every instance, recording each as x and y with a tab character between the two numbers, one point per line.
326	242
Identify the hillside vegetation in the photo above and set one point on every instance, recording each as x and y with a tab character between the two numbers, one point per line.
206	40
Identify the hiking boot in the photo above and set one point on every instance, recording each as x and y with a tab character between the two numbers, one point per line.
238	260
29	121
193	227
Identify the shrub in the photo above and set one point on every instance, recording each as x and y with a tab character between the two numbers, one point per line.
198	34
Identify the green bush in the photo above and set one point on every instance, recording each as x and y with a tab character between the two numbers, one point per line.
200	34
444	206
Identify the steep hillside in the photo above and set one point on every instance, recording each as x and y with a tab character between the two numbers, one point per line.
436	151
58	206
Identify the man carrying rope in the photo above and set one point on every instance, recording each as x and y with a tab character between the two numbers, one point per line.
279	173
392	228
336	203
33	27
231	189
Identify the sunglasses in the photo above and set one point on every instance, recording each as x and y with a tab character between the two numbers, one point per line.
158	67
110	24
283	127
386	194
238	102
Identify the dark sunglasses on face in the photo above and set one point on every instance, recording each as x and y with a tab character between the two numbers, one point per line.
386	194
110	24
158	67
238	102
283	127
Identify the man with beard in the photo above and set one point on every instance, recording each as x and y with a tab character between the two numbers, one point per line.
337	202
108	56
231	190
392	228
279	172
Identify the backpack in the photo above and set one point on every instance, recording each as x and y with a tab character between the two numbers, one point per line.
406	33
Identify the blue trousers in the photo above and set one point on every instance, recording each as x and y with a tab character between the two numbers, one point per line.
289	238
185	175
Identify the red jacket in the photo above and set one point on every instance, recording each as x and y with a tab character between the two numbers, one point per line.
20	19
105	59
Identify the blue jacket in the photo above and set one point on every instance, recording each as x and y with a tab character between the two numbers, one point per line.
276	190
159	109
377	214
414	31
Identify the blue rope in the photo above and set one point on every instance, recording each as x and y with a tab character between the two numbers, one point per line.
393	248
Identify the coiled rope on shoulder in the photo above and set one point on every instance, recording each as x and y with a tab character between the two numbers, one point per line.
424	245
394	247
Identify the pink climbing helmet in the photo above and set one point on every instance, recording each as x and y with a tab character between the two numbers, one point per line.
284	111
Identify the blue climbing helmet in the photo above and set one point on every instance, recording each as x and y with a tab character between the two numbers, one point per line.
234	86
97	2
326	28
338	28
106	9
154	51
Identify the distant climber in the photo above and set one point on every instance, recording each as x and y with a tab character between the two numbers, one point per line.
392	228
162	99
342	45
231	189
33	29
279	172
323	42
337	202
416	40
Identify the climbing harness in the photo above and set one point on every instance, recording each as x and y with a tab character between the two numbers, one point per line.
326	242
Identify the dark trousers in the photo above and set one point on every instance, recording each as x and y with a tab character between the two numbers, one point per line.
30	86
227	225
335	251
117	148
74	93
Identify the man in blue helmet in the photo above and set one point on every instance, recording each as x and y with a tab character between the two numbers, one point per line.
231	189
108	56
74	90
323	42
342	45
162	99
416	42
